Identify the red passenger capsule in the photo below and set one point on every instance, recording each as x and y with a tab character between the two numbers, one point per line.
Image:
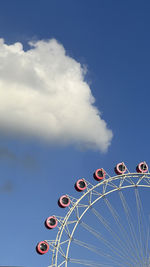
80	185
51	222
42	247
142	167
64	201
120	168
99	174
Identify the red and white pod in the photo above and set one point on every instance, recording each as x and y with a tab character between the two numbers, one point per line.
64	201
42	247
120	168
99	174
142	167
80	185
51	222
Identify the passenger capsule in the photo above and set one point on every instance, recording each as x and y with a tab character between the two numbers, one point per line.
51	222
64	201
99	174
80	185
120	168
142	167
42	247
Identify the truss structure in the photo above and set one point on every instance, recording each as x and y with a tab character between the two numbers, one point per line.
79	207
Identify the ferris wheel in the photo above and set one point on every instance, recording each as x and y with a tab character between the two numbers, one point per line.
107	225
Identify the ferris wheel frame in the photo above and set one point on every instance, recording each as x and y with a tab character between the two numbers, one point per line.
107	185
91	194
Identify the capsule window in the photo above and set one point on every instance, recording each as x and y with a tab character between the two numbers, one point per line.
80	185
99	174
142	167
51	222
43	246
120	168
65	200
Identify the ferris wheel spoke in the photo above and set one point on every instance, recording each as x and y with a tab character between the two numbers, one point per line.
140	223
129	218
123	232
107	243
106	225
97	251
125	248
144	228
88	263
147	248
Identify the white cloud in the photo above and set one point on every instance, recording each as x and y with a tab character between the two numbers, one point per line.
43	94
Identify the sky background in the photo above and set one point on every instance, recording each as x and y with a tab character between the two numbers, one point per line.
110	38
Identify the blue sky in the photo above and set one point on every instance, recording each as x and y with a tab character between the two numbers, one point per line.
110	38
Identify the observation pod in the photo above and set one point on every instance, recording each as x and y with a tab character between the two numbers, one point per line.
42	247
99	174
120	168
64	201
142	167
80	185
51	222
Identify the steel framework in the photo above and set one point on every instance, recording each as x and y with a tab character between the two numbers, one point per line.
78	207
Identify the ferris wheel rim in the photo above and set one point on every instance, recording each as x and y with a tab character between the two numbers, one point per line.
66	218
